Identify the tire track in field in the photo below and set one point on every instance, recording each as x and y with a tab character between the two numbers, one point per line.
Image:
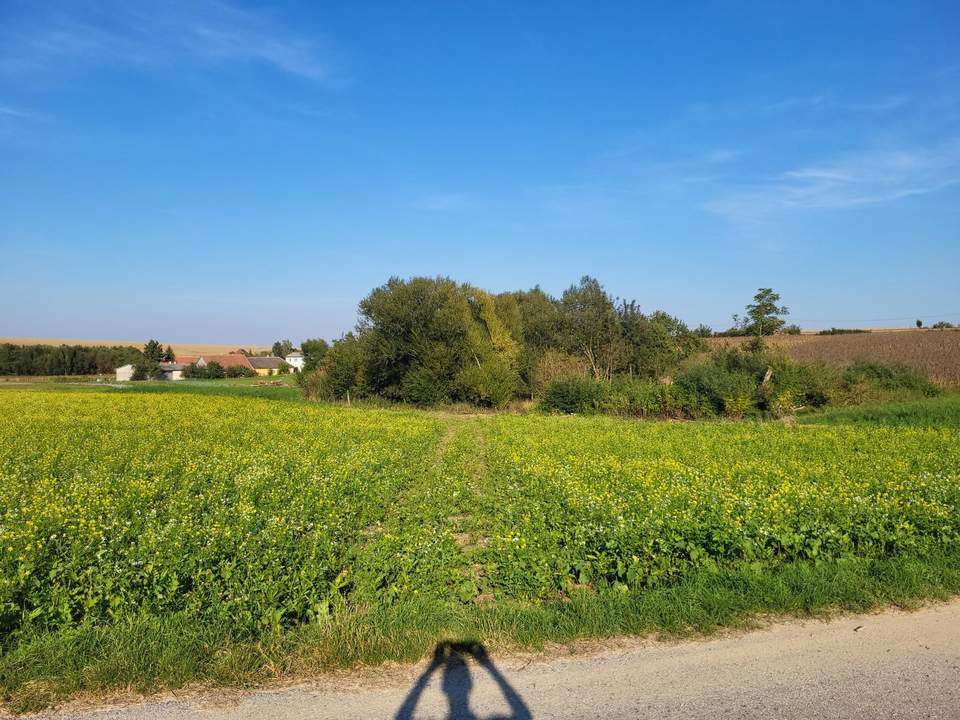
423	547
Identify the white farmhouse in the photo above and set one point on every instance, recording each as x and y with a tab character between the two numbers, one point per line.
172	371
295	360
168	371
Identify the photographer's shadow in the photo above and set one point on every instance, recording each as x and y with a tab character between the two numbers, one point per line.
457	683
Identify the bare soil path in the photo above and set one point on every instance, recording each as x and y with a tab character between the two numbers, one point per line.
887	665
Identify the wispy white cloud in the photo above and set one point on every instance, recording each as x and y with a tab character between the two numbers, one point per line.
871	177
197	32
7	111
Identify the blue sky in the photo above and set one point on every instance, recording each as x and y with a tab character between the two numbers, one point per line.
223	171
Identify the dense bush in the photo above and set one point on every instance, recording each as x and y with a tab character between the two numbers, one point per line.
210	371
842	331
491	384
573	395
721	388
146	369
890	377
421	386
734	383
239	371
556	365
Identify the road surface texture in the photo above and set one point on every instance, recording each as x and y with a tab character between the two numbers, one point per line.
888	665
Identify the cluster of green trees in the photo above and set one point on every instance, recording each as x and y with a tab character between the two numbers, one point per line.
147	365
216	371
313	351
433	340
64	359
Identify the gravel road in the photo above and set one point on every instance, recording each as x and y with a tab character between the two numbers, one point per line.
888	665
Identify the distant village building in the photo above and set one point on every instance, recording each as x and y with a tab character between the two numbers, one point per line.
225	361
168	371
174	370
266	365
295	360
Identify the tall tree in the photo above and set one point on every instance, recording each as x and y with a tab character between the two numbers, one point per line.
282	348
153	351
591	327
655	343
764	313
314	351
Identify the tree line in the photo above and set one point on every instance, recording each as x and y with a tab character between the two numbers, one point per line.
64	359
432	340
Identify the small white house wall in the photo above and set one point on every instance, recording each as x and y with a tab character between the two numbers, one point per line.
295	361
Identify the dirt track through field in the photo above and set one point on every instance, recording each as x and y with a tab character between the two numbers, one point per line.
888	665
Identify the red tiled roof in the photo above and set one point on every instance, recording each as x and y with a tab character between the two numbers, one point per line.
230	360
226	361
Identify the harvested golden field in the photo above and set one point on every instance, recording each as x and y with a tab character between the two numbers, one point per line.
179	348
935	351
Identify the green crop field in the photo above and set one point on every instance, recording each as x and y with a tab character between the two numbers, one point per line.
153	539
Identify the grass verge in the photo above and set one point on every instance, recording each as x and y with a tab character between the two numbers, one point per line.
154	653
942	411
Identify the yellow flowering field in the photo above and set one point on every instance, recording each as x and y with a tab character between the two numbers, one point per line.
245	510
261	514
579	501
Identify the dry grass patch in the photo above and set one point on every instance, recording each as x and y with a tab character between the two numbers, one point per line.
935	351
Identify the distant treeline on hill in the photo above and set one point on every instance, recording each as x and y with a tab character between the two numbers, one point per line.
64	359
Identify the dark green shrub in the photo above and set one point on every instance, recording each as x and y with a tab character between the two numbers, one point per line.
841	331
685	402
890	377
145	369
491	384
345	369
215	371
421	386
796	383
210	371
639	397
573	395
727	389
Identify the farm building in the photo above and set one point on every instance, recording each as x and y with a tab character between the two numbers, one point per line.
225	361
169	371
266	365
295	360
172	371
